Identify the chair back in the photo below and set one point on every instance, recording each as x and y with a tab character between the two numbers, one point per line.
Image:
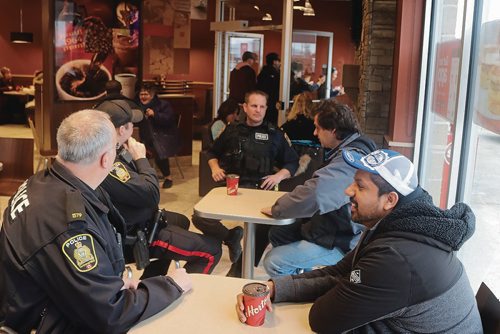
35	134
206	137
489	310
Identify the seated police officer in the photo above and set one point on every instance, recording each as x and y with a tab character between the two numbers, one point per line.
254	150
133	187
61	262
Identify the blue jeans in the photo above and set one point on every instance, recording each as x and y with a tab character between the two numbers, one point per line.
291	254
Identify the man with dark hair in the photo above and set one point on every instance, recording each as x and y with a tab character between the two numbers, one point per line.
297	83
404	275
114	92
61	260
133	187
323	232
242	78
268	81
254	150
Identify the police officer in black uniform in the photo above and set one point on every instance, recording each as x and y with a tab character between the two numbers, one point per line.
61	262
133	187
254	150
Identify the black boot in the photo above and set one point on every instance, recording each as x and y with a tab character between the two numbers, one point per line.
233	243
235	270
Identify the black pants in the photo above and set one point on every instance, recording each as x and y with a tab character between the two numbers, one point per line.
214	228
175	242
164	166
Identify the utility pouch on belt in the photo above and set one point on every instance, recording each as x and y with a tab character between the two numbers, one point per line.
141	251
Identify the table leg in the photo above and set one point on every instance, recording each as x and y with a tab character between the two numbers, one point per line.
248	250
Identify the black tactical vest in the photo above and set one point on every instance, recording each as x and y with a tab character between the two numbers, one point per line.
250	152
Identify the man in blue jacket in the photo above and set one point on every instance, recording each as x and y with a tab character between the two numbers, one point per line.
323	232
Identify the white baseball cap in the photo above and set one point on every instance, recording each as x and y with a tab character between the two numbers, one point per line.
393	167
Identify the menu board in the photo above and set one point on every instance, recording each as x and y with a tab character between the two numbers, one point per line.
95	41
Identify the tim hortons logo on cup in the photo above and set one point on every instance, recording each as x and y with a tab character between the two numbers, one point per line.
253	311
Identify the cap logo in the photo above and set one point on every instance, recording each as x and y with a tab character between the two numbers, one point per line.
348	156
375	159
355	276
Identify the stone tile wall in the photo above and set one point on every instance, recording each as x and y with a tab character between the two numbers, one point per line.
375	57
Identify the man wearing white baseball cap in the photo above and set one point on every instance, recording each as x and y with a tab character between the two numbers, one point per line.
404	275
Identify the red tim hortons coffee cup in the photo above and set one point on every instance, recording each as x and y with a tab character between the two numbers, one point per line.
255	299
232	181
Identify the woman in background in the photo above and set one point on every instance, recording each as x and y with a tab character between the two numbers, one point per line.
158	130
299	123
226	114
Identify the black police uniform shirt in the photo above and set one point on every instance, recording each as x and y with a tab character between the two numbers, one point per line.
136	195
253	152
62	264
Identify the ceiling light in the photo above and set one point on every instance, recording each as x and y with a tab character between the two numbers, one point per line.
267	17
256	7
20	36
307	9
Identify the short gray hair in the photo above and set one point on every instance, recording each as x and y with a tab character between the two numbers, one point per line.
83	136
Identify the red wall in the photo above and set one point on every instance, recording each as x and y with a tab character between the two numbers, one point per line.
21	58
330	16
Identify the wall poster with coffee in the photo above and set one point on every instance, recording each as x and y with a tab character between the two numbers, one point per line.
95	41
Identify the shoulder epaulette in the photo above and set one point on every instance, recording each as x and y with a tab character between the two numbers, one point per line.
75	206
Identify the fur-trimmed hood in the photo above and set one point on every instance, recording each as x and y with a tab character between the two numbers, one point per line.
420	216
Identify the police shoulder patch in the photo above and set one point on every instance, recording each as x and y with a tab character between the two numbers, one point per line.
80	252
120	172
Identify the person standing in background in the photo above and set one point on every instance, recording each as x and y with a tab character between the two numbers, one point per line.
268	81
334	90
242	78
297	83
159	130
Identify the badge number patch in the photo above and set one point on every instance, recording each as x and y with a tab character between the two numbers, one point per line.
80	252
261	136
120	172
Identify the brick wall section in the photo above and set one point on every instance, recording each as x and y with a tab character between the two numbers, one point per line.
375	57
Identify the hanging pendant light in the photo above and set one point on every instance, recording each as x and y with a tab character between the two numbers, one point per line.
20	36
307	9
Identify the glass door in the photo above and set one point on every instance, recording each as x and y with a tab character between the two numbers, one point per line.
313	50
236	44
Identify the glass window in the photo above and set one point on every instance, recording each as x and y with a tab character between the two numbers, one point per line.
481	255
441	113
